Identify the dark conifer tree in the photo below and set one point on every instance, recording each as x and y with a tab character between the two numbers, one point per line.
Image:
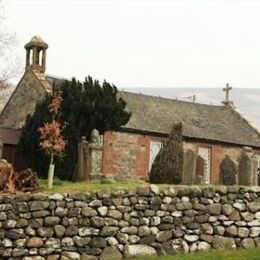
85	106
168	164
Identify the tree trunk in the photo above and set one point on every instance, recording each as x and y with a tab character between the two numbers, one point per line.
51	173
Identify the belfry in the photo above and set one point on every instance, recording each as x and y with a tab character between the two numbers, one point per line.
36	54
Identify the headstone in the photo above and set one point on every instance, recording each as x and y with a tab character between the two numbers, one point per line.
255	171
247	168
258	169
200	169
89	158
95	137
189	167
83	163
1	148
227	171
95	159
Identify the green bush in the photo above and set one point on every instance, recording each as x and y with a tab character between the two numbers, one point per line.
168	164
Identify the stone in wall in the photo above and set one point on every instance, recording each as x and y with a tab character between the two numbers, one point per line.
117	224
227	171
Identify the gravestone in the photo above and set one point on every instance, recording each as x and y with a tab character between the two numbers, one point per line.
247	168
95	159
95	155
200	170
83	162
89	158
257	156
227	171
189	167
1	147
95	137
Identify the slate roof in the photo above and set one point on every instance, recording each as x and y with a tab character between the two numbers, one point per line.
216	123
155	115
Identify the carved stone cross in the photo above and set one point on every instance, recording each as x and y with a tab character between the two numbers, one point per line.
227	89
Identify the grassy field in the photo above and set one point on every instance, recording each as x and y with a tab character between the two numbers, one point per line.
241	254
68	186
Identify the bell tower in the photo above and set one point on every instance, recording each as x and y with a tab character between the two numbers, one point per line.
36	54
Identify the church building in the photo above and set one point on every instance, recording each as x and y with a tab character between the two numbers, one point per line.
209	131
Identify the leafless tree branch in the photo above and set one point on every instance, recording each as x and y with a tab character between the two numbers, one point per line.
9	67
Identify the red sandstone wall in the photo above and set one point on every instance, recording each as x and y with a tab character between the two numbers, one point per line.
218	153
128	154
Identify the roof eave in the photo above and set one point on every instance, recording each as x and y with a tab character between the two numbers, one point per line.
188	138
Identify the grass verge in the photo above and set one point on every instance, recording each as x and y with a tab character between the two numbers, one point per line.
240	254
68	186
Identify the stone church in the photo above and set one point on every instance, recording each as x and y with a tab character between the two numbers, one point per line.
210	132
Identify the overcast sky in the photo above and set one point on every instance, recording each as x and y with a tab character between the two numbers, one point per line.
145	43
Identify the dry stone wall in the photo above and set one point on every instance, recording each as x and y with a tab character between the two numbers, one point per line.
119	224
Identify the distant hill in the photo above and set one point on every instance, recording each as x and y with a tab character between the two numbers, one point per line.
247	101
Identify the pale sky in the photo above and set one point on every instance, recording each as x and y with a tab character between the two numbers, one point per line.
145	43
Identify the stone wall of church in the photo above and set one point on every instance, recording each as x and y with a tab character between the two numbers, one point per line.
22	102
127	155
218	152
127	223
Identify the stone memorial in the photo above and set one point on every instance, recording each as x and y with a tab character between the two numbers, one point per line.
227	171
83	163
189	167
247	168
200	169
95	137
90	158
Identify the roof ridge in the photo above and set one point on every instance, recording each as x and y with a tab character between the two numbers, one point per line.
236	112
48	75
171	99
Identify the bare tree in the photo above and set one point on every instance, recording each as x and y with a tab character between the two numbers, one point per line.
9	67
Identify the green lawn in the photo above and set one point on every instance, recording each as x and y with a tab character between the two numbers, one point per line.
68	186
241	254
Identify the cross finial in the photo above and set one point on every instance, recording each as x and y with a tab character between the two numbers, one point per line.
227	89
